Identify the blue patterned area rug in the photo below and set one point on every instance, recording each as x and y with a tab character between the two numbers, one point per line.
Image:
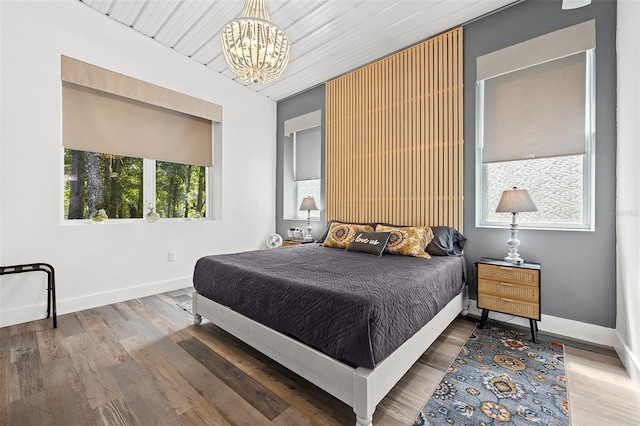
500	377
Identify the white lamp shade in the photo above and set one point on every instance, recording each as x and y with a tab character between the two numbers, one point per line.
515	201
308	203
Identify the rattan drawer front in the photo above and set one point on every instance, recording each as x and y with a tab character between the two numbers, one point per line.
512	275
509	306
526	293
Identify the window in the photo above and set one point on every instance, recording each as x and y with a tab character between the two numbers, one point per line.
115	183
180	189
302	164
307	152
130	146
308	188
535	130
98	181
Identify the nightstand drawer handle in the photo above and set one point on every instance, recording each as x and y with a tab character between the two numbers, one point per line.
506	284
506	300
506	268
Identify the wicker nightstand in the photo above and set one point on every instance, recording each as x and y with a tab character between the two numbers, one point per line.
511	289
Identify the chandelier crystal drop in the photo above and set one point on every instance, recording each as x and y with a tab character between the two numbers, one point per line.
255	50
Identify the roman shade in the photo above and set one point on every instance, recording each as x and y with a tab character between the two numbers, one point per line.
554	45
107	112
308	150
534	96
302	122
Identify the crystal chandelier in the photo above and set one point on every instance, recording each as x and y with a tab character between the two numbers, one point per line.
255	50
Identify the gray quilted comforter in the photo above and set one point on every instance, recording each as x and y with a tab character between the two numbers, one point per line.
355	307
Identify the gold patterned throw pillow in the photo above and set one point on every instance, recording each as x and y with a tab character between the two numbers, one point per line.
408	240
341	234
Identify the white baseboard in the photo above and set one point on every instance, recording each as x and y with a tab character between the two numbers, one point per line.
64	306
630	361
560	326
23	314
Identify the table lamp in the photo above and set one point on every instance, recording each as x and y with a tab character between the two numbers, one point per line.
308	204
515	201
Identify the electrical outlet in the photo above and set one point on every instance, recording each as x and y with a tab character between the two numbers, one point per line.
258	205
172	256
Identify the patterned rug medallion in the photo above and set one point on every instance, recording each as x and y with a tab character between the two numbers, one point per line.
501	377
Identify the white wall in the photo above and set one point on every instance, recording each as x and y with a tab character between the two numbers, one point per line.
100	264
628	187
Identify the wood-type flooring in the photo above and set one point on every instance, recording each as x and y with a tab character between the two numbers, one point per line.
142	362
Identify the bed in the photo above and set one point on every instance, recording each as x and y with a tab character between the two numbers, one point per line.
351	323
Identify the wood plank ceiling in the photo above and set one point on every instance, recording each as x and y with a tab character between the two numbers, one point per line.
328	37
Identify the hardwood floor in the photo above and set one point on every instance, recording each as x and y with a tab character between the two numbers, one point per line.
142	362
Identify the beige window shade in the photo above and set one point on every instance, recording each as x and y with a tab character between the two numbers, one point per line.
107	112
97	121
554	45
87	75
303	122
536	112
307	154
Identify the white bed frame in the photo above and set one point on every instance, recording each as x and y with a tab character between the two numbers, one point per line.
360	388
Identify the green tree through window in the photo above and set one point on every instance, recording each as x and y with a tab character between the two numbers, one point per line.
115	183
180	189
102	181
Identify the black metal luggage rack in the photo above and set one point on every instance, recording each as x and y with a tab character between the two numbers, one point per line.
51	283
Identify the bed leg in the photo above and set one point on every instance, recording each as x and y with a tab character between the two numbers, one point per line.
363	399
361	421
465	302
197	319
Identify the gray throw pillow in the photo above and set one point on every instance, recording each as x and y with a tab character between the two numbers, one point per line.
369	242
447	241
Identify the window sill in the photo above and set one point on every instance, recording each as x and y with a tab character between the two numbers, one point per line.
536	227
83	222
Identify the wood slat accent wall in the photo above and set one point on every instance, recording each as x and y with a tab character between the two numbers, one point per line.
394	139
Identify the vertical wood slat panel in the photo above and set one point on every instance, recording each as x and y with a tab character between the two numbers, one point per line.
458	125
433	202
440	132
422	112
394	138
